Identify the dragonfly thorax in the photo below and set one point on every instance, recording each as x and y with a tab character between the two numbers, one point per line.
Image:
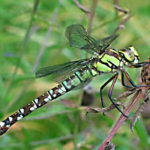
109	61
129	55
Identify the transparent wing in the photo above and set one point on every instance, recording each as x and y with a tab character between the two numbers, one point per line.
106	42
62	71
78	37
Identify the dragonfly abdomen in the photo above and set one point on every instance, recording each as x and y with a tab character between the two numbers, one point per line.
79	77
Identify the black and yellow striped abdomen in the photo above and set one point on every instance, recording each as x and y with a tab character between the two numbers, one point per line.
80	77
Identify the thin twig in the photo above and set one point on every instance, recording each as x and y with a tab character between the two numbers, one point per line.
91	15
140	110
137	113
122	24
127	93
140	94
84	9
43	48
104	110
116	2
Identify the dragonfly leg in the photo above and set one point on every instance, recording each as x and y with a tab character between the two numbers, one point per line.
131	82
128	77
138	65
101	90
123	80
114	78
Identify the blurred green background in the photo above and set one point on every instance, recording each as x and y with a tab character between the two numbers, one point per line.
31	37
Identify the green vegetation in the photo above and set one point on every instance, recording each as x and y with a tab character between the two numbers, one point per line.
32	36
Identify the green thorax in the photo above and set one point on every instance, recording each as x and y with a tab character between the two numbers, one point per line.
109	61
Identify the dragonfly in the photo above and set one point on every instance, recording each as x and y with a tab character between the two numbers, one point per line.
76	74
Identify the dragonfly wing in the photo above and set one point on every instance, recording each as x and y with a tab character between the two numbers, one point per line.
83	84
62	71
75	34
78	37
105	43
110	39
50	70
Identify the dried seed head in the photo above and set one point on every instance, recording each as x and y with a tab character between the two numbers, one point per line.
145	74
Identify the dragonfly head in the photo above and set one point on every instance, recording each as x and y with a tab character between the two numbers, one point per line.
129	55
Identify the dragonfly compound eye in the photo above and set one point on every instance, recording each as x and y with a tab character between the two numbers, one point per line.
130	54
136	55
127	55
